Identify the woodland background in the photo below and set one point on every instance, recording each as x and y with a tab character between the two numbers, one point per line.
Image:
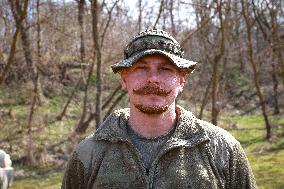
56	84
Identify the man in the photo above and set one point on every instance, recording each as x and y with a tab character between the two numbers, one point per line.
156	143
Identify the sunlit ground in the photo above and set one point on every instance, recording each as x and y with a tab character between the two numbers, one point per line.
266	158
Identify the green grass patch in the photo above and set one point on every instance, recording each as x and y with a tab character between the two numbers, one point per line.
266	157
268	169
51	181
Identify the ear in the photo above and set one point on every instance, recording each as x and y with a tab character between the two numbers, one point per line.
123	79
182	80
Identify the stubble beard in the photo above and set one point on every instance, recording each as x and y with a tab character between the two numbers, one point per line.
151	110
156	90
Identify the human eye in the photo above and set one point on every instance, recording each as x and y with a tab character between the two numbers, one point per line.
167	69
141	67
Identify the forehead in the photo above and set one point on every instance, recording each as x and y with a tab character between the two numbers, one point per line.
155	59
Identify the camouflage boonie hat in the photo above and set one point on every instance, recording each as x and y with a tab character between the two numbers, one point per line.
151	42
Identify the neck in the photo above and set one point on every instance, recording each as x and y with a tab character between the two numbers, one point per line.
152	125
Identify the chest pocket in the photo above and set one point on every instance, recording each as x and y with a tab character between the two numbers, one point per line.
184	168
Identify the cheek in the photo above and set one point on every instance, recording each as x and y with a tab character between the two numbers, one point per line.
176	86
130	85
173	82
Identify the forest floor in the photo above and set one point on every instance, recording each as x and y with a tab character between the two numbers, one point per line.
266	157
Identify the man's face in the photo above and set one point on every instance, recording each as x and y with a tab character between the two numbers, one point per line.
153	84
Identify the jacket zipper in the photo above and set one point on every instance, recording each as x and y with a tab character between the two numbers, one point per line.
150	176
140	162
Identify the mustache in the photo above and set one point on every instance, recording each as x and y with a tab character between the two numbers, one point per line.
148	89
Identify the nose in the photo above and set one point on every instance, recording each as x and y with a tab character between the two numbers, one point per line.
153	77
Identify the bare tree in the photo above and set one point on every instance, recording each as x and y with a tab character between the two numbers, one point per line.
277	49
20	18
139	23
159	14
63	112
171	9
204	99
277	44
248	22
270	34
37	96
97	55
81	8
17	10
26	44
98	44
82	126
275	89
109	19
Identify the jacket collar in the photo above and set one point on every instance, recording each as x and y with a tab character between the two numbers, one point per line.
187	133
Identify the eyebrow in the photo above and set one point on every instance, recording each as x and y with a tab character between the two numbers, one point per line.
166	64
142	61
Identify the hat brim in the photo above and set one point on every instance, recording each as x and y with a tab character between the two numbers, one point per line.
181	63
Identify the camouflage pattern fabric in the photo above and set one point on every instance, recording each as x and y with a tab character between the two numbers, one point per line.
154	41
198	155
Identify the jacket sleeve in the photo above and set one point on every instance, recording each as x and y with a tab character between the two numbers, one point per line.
74	177
240	174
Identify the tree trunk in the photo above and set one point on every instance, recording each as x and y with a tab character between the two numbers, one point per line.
18	19
215	83
81	6
62	114
81	11
37	96
173	27
31	64
82	126
248	23
38	31
159	14
79	128
139	23
215	74
85	120
205	99
277	45
273	39
40	96
275	89
30	146
97	56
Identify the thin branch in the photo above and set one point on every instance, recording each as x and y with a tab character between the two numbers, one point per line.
109	99
118	99
60	116
159	14
183	42
108	22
